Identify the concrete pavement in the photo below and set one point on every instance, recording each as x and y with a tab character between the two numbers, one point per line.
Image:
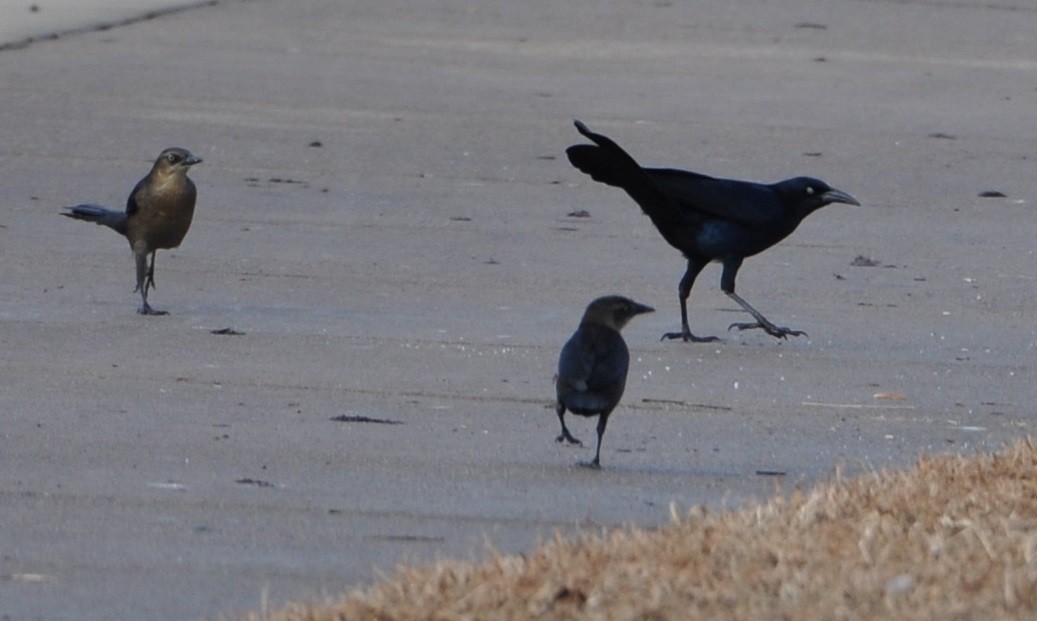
384	214
27	21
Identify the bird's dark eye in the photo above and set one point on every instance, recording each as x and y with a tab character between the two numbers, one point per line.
810	190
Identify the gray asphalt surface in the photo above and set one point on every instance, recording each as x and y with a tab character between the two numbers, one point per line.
384	213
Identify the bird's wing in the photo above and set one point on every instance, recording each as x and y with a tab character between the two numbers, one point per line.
131	201
595	358
576	363
750	204
669	196
610	367
592	370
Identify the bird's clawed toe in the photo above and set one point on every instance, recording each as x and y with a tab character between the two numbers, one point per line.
769	328
567	438
593	465
147	310
688	337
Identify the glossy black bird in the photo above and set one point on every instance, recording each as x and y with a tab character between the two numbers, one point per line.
158	214
708	219
592	370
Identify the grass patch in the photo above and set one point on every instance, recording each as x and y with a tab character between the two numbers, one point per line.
951	538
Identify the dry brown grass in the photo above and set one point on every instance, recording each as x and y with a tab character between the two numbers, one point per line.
951	538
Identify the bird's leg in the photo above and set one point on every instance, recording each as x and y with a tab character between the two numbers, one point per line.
141	259
683	292
603	420
727	285
565	436
151	271
143	283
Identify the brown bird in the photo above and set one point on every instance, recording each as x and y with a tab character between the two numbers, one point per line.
592	370
158	214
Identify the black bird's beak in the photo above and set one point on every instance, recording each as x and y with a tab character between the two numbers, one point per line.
838	196
191	160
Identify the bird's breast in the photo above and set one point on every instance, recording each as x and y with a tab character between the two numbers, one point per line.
163	216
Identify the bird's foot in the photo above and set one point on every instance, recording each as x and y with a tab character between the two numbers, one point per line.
147	310
769	328
593	465
567	438
688	337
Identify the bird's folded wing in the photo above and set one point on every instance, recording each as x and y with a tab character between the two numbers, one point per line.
749	204
576	364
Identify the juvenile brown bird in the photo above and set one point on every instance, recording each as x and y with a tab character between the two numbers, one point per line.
158	214
592	370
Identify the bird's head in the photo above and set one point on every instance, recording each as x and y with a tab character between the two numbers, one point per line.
175	159
614	311
806	194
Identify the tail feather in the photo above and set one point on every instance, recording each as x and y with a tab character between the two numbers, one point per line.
115	220
608	163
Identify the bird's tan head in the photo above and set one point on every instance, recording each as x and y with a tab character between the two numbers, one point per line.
175	160
614	311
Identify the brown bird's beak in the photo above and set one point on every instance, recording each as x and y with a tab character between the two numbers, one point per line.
640	309
838	196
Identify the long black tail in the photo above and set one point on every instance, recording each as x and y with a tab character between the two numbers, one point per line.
115	220
607	162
